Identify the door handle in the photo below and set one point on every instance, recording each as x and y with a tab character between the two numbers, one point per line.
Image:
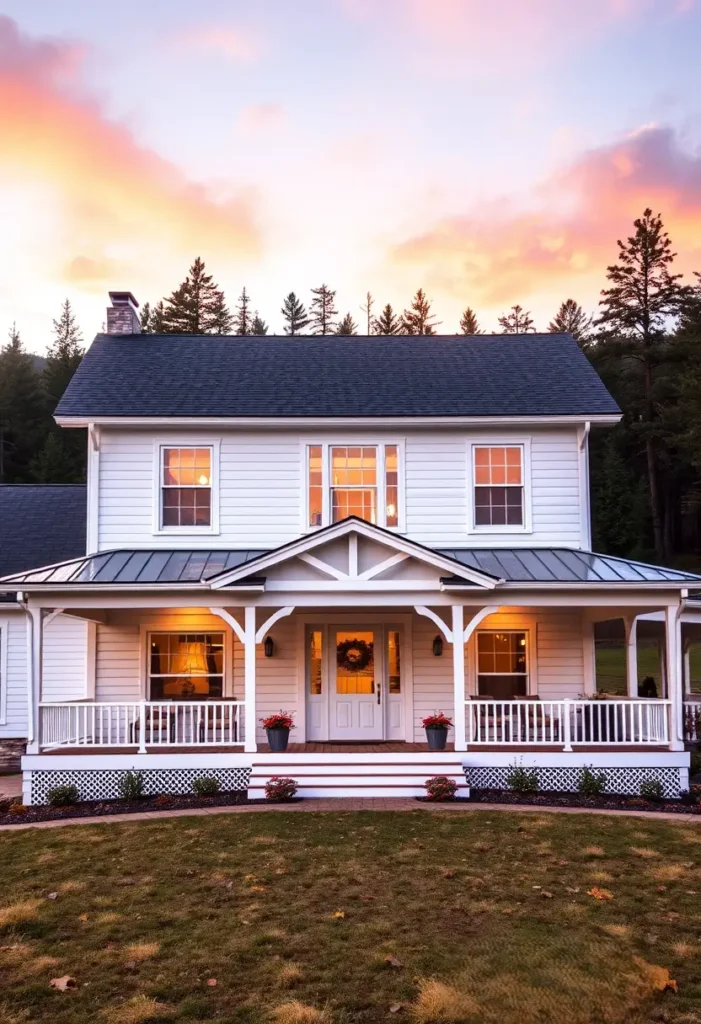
379	692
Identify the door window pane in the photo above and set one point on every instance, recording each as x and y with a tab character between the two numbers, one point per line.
394	669
315	655
355	662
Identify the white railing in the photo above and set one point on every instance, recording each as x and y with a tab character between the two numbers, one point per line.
692	718
567	723
141	724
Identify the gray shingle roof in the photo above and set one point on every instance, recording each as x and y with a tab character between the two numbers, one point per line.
40	524
485	375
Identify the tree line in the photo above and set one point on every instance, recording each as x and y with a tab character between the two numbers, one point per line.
645	342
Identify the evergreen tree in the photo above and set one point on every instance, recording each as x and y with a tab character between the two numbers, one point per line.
387	323
54	463
157	319
571	319
635	309
468	322
322	310
221	319
418	318
196	307
615	488
62	360
516	321
347	326
294	314
243	318
367	309
258	324
23	414
145	318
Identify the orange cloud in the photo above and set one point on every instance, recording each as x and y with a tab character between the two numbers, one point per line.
238	44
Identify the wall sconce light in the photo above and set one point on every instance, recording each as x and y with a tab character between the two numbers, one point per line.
269	647
437	646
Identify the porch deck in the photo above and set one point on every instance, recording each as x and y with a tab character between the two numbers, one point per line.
301	749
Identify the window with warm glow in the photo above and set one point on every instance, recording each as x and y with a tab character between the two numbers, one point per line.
502	664
315	652
354	483
186	487
353	480
498	486
186	666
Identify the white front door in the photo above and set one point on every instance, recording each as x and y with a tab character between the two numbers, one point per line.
356	697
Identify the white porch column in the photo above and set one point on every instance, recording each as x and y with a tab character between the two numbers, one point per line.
687	667
35	638
459	677
631	627
673	638
249	675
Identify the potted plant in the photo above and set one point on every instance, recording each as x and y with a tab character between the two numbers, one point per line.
278	729
436	726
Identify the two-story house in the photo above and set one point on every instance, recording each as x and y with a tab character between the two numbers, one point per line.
358	531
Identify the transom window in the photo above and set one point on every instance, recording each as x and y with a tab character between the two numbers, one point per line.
186	666
498	486
186	487
502	664
353	480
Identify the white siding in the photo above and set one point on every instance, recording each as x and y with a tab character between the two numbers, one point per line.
262	488
15	683
65	666
433	677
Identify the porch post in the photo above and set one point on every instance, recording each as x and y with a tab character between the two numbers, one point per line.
687	667
35	622
249	646
631	627
459	677
673	638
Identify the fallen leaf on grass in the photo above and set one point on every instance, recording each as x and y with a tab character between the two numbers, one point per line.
395	1007
448	873
82	917
569	888
52	896
658	977
600	894
258	888
211	982
64	984
547	895
392	961
339	914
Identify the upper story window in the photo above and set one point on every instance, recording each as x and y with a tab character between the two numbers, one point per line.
186	487
498	485
353	480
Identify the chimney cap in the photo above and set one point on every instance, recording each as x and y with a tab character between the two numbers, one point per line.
123	299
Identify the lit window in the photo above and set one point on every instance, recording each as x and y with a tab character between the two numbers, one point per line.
316	485
186	666
502	664
315	656
391	485
498	476
354	483
186	487
356	480
394	668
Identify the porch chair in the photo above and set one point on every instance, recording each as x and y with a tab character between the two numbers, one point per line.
160	722
209	722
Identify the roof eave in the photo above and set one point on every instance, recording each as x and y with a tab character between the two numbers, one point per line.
596	419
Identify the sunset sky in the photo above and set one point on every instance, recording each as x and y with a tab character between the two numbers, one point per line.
490	151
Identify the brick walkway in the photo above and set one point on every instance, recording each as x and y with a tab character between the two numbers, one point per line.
339	805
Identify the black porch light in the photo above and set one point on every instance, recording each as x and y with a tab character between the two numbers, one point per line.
437	645
269	647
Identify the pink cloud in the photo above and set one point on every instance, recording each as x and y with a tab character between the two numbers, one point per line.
261	117
238	44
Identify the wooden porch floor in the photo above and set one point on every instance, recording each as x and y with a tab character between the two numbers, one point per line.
357	748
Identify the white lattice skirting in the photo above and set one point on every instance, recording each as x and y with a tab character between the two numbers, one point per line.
103	784
624	781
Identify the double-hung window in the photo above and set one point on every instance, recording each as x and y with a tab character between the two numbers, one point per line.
186	666
502	664
353	480
498	475
186	487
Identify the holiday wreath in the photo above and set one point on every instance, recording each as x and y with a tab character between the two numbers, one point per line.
354	655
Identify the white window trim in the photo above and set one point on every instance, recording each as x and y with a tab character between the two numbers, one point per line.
159	444
147	630
531	662
500	441
346	442
4	644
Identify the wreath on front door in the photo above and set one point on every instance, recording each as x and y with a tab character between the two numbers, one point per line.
354	655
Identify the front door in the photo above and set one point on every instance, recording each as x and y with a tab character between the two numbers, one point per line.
355	691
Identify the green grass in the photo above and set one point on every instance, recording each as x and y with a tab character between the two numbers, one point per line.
611	667
493	906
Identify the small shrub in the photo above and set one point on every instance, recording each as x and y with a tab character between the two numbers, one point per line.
522	780
280	788
440	787
63	796
131	785
591	783
206	785
689	797
651	789
18	809
695	767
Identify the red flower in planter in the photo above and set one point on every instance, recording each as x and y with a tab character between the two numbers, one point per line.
440	787
280	788
437	721
281	720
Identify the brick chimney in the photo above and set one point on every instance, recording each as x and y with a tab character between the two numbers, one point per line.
123	314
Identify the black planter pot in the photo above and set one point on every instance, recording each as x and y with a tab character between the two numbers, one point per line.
278	739
437	737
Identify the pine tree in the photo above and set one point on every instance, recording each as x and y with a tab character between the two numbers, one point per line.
157	319
643	295
242	318
145	318
387	323
294	315
571	319
419	319
258	324
468	322
54	463
516	321
196	307
322	310
63	356
24	417
347	326
221	319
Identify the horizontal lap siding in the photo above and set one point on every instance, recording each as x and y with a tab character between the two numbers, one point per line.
16	681
64	663
433	677
276	677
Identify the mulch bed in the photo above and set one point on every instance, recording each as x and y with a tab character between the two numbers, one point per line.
151	805
610	802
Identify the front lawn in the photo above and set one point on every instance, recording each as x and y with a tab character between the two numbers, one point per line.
289	918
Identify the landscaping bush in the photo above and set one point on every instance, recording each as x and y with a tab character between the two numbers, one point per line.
18	808
440	787
689	797
695	767
63	796
651	789
591	783
280	788
205	785
522	780
131	785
